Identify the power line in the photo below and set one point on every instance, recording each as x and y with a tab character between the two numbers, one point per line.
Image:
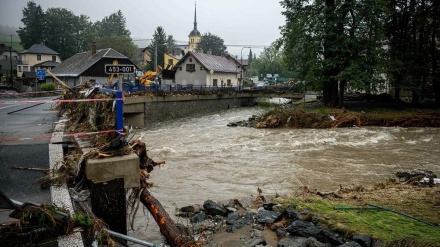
231	45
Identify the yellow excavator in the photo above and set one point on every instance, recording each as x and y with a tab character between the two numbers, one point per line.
148	76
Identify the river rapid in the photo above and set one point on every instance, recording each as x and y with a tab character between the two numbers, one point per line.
205	159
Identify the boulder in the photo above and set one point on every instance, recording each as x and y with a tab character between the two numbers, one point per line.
213	208
198	217
232	217
292	241
265	216
291	212
303	228
350	244
363	240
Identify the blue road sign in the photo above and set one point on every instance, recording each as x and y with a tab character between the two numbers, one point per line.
41	73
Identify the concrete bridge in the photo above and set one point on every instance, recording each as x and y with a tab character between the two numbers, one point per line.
142	111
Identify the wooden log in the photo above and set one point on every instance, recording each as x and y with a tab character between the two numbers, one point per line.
173	234
324	193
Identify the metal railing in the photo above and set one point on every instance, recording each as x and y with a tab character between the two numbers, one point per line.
130	88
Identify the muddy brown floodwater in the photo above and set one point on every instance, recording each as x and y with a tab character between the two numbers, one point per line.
208	160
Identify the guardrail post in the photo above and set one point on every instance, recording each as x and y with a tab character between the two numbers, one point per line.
119	111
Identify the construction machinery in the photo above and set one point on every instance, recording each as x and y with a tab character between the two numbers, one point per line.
148	76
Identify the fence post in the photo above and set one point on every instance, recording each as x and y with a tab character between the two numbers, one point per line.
119	111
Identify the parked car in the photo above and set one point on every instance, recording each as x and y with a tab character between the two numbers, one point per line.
262	85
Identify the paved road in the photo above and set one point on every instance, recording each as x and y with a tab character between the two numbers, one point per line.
32	122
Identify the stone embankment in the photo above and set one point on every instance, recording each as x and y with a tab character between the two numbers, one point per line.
250	222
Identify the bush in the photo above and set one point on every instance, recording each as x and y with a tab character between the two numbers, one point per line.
47	87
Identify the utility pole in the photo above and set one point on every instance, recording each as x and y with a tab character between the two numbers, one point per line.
241	74
155	56
10	59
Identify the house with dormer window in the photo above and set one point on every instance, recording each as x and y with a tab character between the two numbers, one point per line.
38	56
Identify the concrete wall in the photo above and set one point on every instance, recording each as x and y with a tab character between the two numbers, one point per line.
163	111
146	111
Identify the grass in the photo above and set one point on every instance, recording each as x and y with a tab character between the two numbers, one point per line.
391	228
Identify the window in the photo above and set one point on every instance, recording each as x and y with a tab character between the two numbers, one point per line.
190	67
54	58
214	82
180	68
170	61
15	58
25	68
228	82
190	60
19	68
38	57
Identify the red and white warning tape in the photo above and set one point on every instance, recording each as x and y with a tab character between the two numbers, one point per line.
26	93
14	102
61	135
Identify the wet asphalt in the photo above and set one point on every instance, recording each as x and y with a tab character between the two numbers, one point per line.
32	122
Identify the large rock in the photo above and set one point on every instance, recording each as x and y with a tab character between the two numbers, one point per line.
291	212
265	216
292	241
350	244
213	208
198	218
232	217
303	228
307	229
329	236
363	240
313	242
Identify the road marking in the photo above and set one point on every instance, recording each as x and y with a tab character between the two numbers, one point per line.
7	106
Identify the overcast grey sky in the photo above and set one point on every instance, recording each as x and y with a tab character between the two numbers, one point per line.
237	22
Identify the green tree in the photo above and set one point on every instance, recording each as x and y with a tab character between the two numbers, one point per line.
157	48
112	32
269	62
86	33
331	43
114	24
170	43
33	21
64	31
214	43
120	43
413	44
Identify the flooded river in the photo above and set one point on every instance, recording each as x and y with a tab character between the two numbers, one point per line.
205	159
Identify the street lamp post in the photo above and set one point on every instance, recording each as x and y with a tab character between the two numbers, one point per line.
241	64
10	59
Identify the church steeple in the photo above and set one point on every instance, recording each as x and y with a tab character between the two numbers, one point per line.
194	36
195	16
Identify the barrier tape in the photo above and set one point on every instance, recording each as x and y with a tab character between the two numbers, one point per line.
39	92
10	102
61	135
